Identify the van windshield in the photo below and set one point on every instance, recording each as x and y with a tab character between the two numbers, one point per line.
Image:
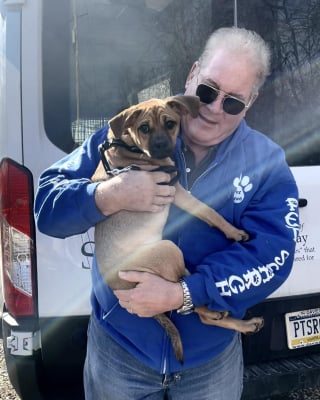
101	56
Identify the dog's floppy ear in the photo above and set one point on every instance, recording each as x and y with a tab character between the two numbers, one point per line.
185	104
123	121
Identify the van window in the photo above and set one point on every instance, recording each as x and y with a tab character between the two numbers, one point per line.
100	57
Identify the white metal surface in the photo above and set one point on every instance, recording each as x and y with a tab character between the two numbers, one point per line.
305	275
63	267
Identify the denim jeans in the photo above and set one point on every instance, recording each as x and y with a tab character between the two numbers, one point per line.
111	373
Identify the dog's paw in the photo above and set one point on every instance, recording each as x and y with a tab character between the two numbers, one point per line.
253	325
238	235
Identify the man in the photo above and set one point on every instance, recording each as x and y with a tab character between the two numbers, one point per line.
232	168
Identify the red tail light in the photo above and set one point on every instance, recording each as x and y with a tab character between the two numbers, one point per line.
17	238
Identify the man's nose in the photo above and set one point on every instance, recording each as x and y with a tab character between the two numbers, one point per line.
217	105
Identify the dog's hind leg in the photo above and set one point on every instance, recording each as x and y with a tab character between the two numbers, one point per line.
216	318
161	258
165	259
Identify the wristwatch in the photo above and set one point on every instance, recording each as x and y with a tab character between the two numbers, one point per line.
187	307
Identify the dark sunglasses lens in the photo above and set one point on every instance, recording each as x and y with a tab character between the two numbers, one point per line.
232	106
206	94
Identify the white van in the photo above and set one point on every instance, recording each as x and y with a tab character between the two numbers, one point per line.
66	67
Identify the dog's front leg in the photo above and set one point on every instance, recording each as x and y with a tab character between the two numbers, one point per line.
193	206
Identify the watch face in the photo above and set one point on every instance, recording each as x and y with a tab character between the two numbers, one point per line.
185	310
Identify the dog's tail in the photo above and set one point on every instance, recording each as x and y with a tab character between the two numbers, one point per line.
173	334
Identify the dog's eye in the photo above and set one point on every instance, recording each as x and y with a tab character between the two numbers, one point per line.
170	124
144	128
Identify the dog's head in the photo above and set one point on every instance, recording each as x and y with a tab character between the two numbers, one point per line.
153	125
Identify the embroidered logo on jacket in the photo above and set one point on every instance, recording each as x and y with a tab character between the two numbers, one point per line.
242	185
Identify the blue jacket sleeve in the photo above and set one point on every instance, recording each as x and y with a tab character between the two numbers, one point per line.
64	202
240	275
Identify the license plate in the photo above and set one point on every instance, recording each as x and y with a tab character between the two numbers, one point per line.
303	328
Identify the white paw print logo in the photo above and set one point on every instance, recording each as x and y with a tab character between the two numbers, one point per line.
242	185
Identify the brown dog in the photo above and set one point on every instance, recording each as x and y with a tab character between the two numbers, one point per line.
145	134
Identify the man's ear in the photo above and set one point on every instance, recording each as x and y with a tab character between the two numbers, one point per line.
253	99
184	105
192	73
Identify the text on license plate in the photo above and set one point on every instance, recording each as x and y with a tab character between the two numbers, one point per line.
303	328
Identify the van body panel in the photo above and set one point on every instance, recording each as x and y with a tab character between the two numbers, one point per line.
10	143
27	143
304	277
66	269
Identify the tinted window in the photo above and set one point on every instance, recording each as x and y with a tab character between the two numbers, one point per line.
102	56
289	108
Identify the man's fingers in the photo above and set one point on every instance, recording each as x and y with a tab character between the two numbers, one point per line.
161	177
157	208
162	200
125	295
166	190
131	276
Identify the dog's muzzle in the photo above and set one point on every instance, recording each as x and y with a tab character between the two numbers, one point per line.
161	148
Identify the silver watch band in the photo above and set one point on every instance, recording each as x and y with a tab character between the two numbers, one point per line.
187	307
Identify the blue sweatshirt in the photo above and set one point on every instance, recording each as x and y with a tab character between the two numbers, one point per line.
249	183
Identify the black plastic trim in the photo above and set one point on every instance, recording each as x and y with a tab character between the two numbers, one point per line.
279	377
55	371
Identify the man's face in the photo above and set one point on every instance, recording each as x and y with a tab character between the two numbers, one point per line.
233	75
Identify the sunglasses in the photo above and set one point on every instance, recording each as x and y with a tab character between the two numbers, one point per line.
231	105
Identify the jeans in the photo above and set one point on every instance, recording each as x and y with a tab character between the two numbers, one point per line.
111	373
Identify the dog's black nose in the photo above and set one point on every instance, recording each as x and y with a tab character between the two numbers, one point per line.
161	143
161	148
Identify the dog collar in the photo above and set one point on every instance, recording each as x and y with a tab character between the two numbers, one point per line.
107	144
170	169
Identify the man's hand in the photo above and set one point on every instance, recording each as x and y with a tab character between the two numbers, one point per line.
134	191
152	295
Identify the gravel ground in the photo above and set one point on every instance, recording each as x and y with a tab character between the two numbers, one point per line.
8	393
6	390
307	394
